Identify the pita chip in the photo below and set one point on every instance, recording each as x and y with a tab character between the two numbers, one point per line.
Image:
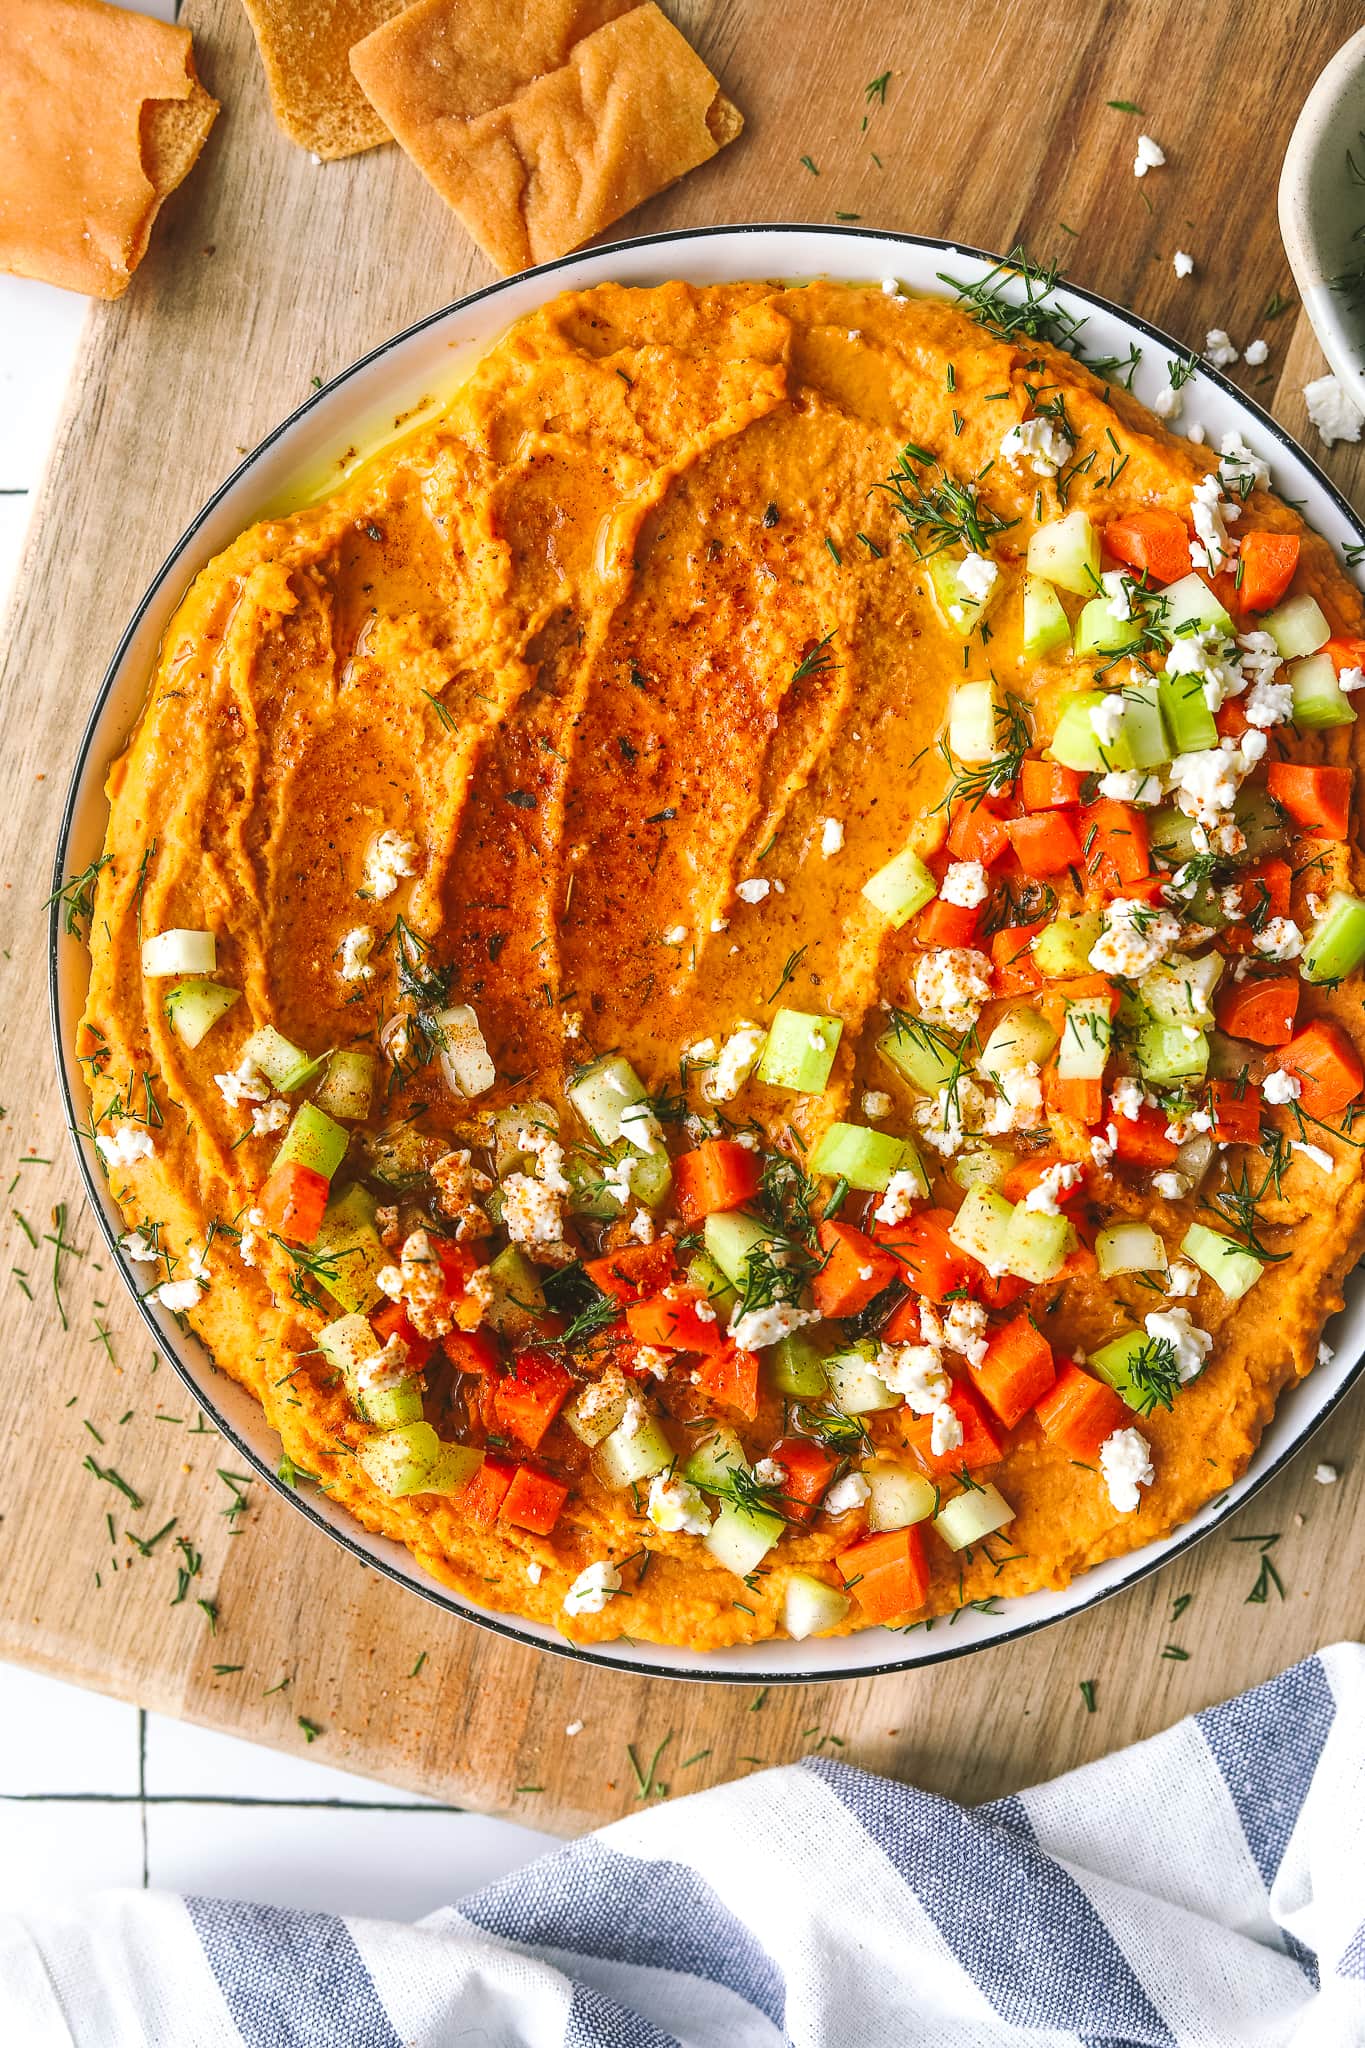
101	117
304	46
543	130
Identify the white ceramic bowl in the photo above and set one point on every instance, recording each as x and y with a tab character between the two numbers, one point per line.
389	381
1322	204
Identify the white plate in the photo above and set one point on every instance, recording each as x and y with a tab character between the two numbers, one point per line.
1322	209
389	381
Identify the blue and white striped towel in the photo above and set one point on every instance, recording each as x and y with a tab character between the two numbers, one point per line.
1206	1888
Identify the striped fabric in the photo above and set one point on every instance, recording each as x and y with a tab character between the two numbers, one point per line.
1204	1890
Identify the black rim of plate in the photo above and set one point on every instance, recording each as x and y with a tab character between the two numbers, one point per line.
428	1588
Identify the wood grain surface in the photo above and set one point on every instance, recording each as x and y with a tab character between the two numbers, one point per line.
267	271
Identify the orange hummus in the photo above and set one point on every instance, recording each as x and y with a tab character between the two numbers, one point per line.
729	982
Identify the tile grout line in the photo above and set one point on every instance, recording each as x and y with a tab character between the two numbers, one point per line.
142	1785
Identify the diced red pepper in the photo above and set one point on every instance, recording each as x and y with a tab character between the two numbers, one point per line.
1015	970
1318	799
534	1499
1328	1066
392	1321
1045	842
854	1269
292	1202
1048	786
721	1174
1262	1008
1236	1109
1114	836
671	1322
947	924
1142	1139
729	1379
471	1351
924	1255
635	1270
809	1468
529	1397
1345	652
976	833
980	1445
487	1490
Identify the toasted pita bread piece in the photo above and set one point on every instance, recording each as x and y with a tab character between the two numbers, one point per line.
537	164
101	117
304	46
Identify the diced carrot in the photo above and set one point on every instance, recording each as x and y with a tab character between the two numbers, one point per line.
470	1350
947	924
1079	1263
635	1270
1077	988
530	1395
1317	798
1153	541
671	1322
1142	1139
854	1270
1268	562
887	1573
1227	590
1082	1100
1230	720
1114	837
729	1379
1264	892
998	1290
1236	1112
533	1500
1017	1370
1026	1174
924	1255
1078	1412
721	1174
292	1200
1261	1008
1045	842
809	1468
1047	786
980	1445
976	833
393	1321
487	1490
1012	959
1328	1066
1345	652
903	1325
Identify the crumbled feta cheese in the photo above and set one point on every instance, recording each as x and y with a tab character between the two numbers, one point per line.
831	837
124	1145
1208	513
1135	938
354	951
1150	156
1213	660
891	288
1018	1103
1168	403
976	576
243	1084
1182	263
1351	679
1256	352
944	1119
902	1191
535	1572
738	1057
1106	719
768	1472
1101	1150
1218	350
642	1227
945	1431
391	858
1269	704
1171	1185
720	924
1131	786
1126	1462
753	892
1278	1087
1182	1280
179	1295
247	1242
1278	939
951	985
531	1212
1195	433
676	1506
1205	784
846	1495
1038	443
676	935
1126	1098
1057	1182
964	1331
964	884
876	1103
1334	415
756	1328
269	1116
1326	1475
640	1128
1191	1345
136	1247
1239	469
915	1371
592	1589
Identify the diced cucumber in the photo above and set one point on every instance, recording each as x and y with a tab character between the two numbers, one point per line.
651	1178
973	722
1129	1248
810	1606
348	1086
454	1467
919	1057
866	1159
1119	1363
514	1129
1298	626
390	1407
1100	630
518	1301
314	1141
304	1072
897	1497
1319	700
1076	744
347	1253
588	1193
462	1053
800	1051
1230	1266
855	1387
1171	1052
1037	1245
705	1275
960	612
347	1343
194	1007
1046	625
985	1163
1259	820
1336	942
901	888
272	1054
180	952
1190	602
1144	737
796	1367
636	1449
400	1461
1066	552
1020	1036
741	1537
713	1462
1192	725
981	1227
1085	1043
969	1517
730	1236
595	1410
601	1090
1063	948
1181	992
1172	834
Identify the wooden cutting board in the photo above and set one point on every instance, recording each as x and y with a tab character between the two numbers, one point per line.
268	271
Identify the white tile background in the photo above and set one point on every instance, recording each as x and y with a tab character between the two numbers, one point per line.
95	1793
